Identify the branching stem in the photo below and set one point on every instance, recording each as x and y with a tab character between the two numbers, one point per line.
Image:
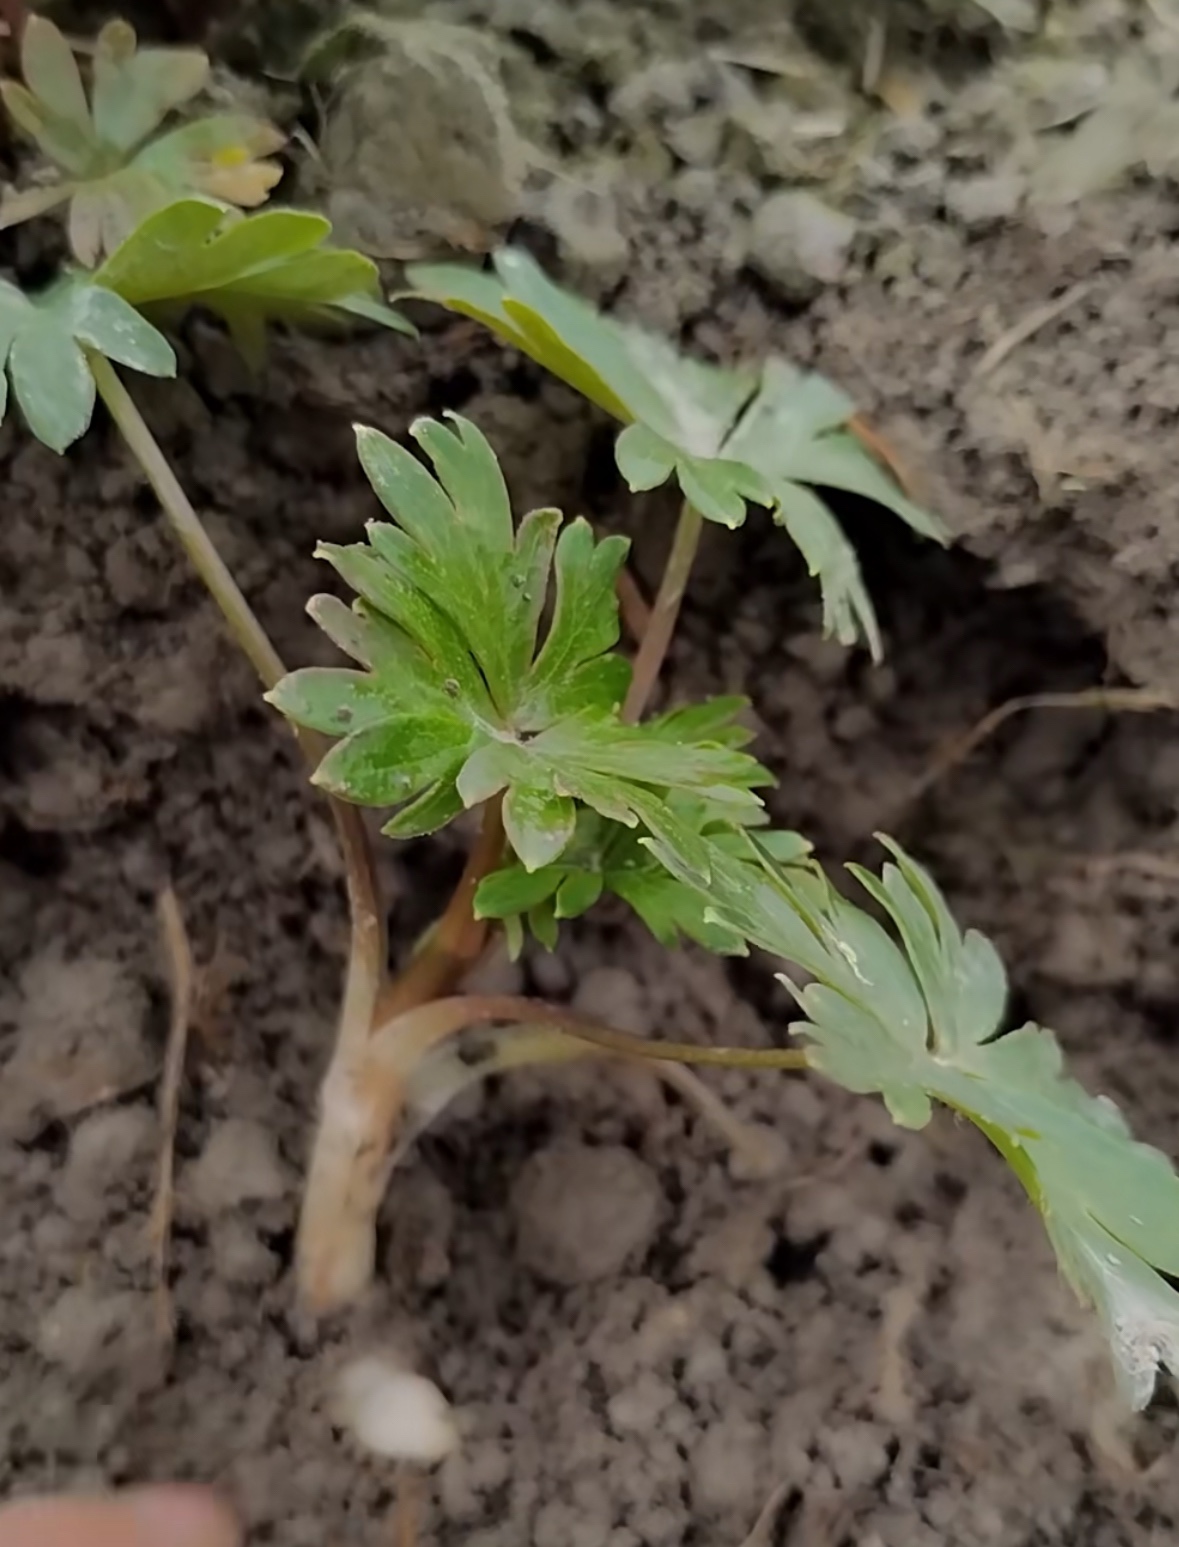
665	610
456	941
443	1018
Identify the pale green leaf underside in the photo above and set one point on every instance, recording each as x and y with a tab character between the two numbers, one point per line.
729	438
919	1022
43	344
269	266
460	699
604	857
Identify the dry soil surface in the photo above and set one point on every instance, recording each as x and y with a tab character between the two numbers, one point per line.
642	1349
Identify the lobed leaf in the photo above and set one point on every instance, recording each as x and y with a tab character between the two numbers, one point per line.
114	173
606	854
251	270
729	438
44	341
921	1021
458	702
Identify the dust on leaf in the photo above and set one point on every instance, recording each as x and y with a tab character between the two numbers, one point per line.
44	341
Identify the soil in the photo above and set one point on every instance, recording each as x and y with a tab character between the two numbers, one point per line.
874	1342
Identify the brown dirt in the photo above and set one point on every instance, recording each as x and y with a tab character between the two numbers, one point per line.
880	1331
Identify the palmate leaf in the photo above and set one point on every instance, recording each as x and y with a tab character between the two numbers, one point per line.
606	858
44	341
110	171
273	266
920	1021
775	437
457	703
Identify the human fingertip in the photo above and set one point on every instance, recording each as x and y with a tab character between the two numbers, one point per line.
181	1516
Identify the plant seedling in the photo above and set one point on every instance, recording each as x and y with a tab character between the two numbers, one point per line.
450	711
108	162
487	676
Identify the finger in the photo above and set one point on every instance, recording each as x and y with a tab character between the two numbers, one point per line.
145	1517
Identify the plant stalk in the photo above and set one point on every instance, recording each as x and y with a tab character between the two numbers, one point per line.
665	611
368	946
365	1108
448	1016
456	941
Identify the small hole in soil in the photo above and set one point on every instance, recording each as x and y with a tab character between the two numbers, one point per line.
929	1457
535	47
952	1188
536	240
53	1139
281	1243
42	856
793	1262
882	1154
452	392
908	1214
523	382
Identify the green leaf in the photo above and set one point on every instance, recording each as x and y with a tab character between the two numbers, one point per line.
513	890
51	381
634	375
730	438
395	758
792	434
577	894
538	822
117	173
921	1021
607	855
268	267
458	702
104	321
43	341
567	675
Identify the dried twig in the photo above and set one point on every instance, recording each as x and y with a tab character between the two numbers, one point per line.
893	1399
1112	700
1136	862
874	49
874	442
406	1506
180	972
1036	319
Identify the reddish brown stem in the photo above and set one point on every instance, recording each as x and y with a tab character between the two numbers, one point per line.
664	613
457	940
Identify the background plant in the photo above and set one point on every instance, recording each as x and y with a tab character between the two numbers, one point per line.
106	160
